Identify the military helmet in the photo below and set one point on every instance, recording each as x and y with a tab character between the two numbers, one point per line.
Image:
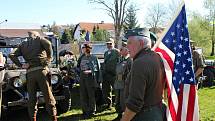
34	33
137	32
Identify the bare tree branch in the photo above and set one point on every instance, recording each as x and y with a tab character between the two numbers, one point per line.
117	11
156	16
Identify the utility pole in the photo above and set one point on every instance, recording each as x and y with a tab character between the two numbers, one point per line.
2	23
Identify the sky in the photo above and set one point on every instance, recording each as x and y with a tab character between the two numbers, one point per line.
43	12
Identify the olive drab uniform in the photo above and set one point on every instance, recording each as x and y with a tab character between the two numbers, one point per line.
111	58
36	53
88	83
122	69
198	61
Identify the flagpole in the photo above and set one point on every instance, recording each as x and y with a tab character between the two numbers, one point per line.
169	25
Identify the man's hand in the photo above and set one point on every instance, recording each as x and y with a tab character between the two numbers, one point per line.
128	115
49	60
25	66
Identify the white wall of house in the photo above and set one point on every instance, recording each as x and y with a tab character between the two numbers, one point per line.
77	33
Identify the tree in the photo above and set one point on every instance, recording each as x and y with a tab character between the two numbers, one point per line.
131	19
209	5
172	7
55	29
66	37
116	11
71	30
100	35
156	16
198	30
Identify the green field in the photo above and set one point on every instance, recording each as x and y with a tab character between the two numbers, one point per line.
206	103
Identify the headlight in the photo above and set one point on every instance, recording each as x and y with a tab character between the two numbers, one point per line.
54	79
18	82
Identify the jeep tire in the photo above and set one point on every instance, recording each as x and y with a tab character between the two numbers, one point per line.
64	105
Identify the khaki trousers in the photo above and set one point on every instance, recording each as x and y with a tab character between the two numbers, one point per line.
39	79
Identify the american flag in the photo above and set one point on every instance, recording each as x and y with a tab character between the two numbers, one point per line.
87	36
174	48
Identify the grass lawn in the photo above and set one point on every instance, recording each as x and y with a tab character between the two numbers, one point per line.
206	103
75	113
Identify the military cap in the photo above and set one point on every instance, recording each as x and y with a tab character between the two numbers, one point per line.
110	40
35	33
137	32
87	45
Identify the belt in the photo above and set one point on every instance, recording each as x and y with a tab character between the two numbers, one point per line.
37	68
145	109
151	107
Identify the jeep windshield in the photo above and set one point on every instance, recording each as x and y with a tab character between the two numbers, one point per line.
98	49
6	52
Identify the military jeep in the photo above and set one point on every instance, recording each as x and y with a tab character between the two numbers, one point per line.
15	95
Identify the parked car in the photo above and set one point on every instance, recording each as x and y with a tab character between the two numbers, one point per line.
15	95
209	72
98	49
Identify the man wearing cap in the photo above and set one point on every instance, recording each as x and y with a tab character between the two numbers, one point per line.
144	84
198	62
89	78
122	69
111	57
37	52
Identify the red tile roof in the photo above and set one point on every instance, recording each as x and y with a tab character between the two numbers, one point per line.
18	32
90	26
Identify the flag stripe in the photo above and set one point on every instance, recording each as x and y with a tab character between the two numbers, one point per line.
196	109
180	98
191	102
168	115
173	104
185	91
167	58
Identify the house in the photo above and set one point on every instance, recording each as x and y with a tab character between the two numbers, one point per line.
14	34
84	27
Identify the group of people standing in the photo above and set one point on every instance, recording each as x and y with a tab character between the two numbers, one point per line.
134	73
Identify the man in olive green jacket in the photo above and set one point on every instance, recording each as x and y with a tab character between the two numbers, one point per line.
111	58
122	69
37	52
